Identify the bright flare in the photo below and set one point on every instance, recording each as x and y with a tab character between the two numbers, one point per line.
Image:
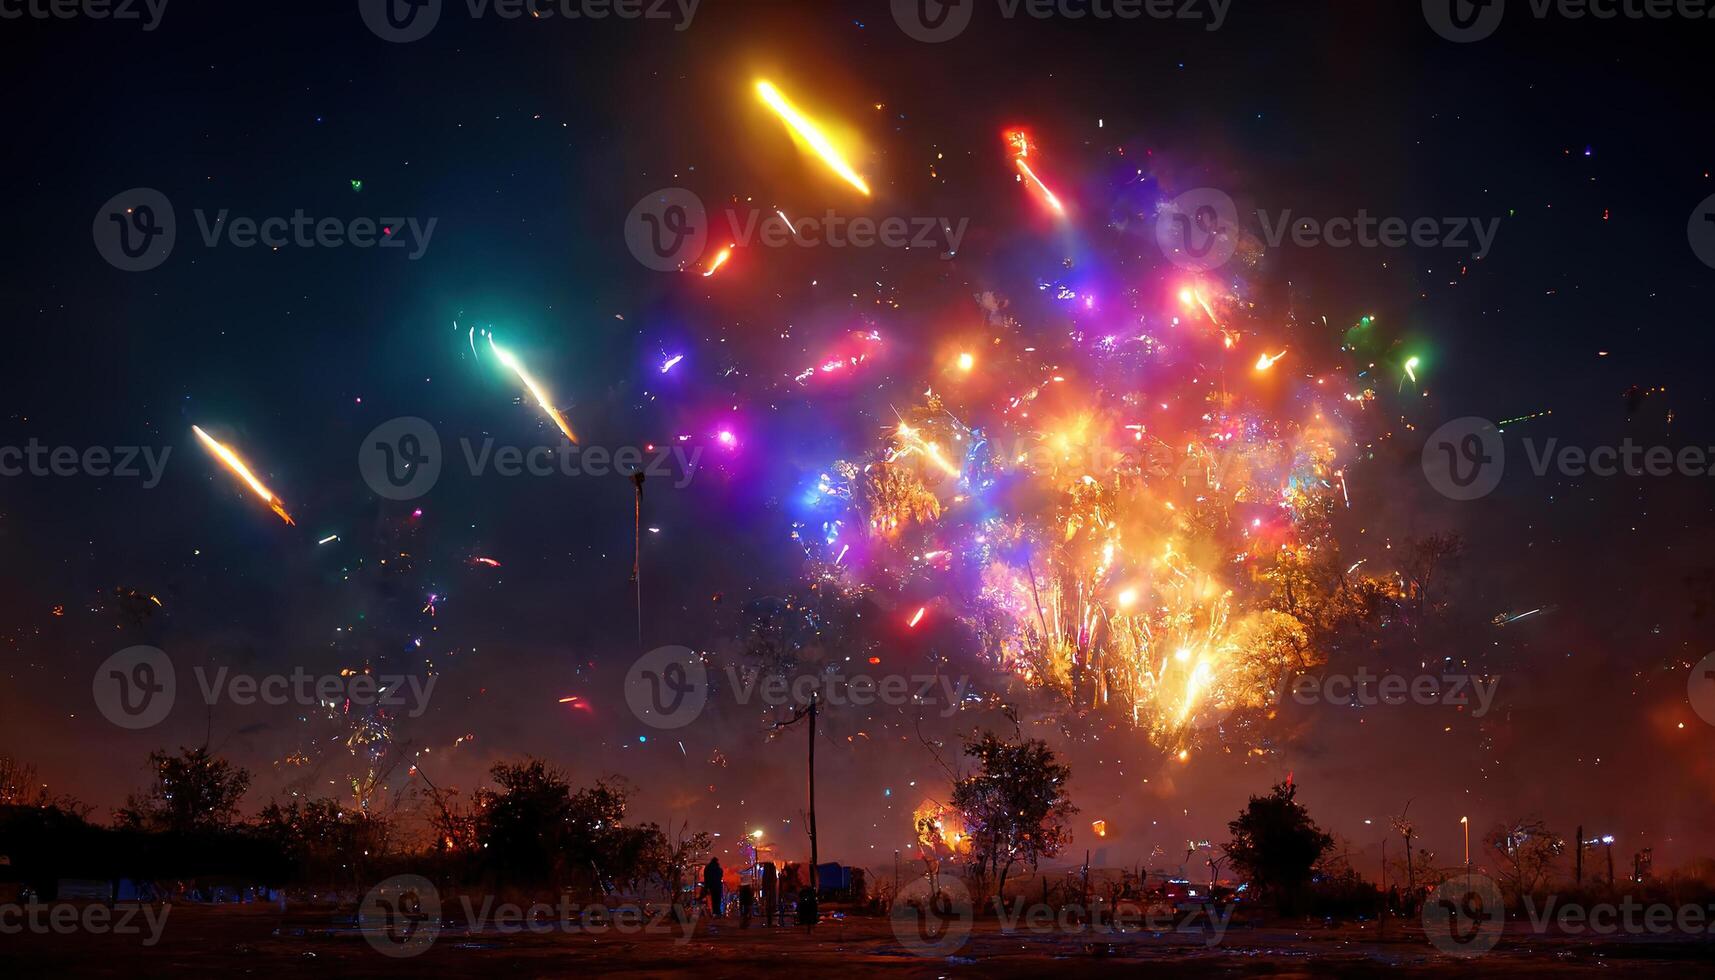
720	259
811	134
1266	361
536	391
1020	143
237	466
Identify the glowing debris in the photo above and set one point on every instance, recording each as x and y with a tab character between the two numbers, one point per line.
535	390
811	134
233	463
719	260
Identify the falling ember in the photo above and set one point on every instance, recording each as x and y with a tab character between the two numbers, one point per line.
536	391
917	617
668	364
490	562
1099	827
811	134
237	466
1194	297
720	259
329	539
1266	361
1047	195
1020	144
1411	368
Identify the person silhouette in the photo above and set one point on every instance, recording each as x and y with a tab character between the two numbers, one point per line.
712	885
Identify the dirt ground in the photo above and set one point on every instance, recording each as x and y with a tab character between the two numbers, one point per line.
264	942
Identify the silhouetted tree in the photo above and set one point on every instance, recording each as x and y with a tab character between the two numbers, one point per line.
1527	851
325	842
192	792
1015	806
524	827
1276	845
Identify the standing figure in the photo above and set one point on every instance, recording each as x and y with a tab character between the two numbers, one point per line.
771	896
712	885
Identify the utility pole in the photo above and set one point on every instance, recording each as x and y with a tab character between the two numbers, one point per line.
637	553
815	884
1578	860
1381	930
814	864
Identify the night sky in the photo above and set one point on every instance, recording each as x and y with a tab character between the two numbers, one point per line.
530	141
